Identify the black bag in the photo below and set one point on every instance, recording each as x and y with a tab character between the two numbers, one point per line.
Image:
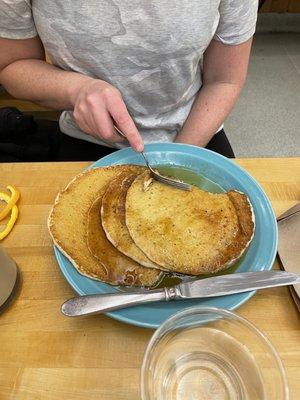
14	125
21	140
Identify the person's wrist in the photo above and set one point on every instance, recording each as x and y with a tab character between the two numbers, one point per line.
194	137
75	85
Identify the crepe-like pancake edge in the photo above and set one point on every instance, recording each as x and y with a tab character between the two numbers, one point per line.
97	271
109	255
113	220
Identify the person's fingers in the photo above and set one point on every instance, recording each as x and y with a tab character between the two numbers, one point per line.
83	122
104	126
94	120
99	116
97	112
124	122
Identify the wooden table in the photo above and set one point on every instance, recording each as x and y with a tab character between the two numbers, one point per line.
44	355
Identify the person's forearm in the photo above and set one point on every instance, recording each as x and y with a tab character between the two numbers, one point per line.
97	106
41	83
211	108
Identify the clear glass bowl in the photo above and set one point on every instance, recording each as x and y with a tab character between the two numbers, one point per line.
210	353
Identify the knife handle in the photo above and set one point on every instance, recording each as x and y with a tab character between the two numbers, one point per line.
101	303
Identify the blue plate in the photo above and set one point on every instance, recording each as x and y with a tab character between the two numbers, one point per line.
228	175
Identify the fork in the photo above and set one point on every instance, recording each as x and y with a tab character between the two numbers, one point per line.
158	176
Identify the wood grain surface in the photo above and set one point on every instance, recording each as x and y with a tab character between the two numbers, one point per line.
44	355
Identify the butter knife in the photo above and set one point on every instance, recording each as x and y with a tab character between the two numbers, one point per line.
210	287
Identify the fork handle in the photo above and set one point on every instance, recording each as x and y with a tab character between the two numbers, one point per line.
146	160
120	133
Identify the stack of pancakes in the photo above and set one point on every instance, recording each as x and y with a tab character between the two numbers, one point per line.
118	225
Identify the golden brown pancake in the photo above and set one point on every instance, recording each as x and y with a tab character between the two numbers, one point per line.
114	223
68	226
120	268
194	232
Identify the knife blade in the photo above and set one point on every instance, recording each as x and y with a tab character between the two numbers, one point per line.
287	214
202	288
289	245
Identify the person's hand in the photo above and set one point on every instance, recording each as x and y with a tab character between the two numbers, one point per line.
98	106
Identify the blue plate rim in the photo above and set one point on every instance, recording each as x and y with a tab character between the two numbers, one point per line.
195	150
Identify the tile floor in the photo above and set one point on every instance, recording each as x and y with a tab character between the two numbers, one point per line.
266	119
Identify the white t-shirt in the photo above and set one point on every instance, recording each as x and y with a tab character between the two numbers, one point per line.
151	50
